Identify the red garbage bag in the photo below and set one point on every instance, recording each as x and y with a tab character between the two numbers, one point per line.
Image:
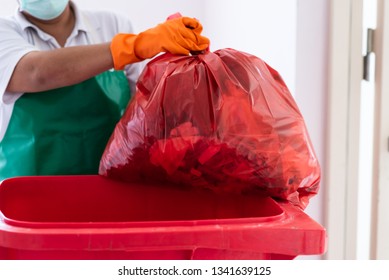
222	120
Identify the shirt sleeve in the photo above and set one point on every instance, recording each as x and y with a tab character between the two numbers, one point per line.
12	48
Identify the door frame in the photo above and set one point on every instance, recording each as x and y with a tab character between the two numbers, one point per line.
380	195
342	140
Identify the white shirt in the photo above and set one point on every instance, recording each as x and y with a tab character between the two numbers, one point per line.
19	37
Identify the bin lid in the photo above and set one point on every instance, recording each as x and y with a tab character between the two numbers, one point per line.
90	201
84	213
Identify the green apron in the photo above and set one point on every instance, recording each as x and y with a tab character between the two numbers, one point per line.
63	131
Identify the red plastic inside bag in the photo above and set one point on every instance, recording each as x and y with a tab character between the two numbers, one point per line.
222	120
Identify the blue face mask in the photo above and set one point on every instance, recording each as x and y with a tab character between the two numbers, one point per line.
43	9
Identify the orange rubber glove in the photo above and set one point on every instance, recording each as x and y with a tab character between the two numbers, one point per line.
177	36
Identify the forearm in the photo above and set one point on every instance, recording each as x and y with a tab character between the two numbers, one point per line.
44	70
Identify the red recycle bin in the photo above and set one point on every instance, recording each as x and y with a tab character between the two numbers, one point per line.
92	217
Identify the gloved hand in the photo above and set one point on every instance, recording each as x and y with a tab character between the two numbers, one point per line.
177	36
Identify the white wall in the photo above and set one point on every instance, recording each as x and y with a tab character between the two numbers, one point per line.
264	28
147	13
311	81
